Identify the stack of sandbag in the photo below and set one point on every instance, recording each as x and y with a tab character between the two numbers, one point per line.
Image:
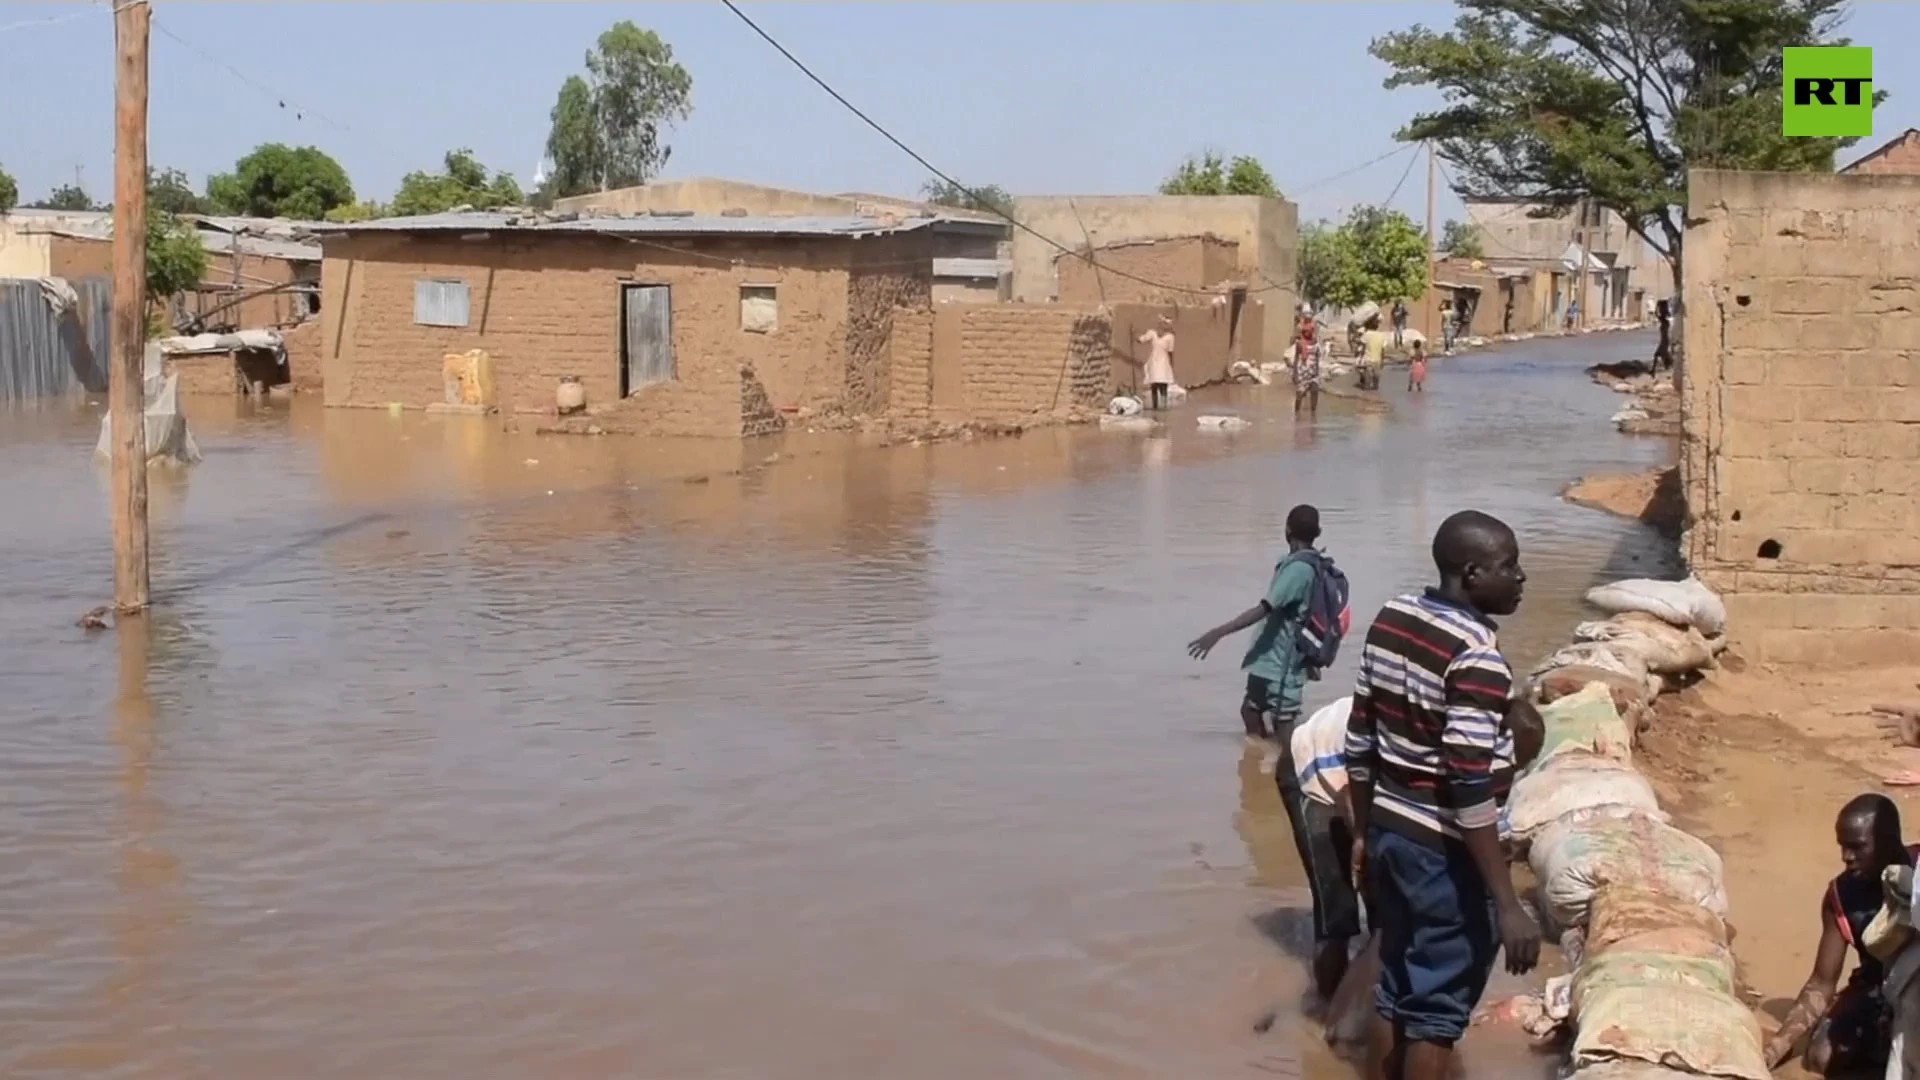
1657	632
1642	904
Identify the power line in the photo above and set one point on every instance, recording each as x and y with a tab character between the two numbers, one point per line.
54	20
1086	257
1344	173
1404	173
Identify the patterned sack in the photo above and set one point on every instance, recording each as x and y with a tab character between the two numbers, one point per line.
1581	853
1570	781
1670	1024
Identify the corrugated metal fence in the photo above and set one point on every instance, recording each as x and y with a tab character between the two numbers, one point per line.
47	356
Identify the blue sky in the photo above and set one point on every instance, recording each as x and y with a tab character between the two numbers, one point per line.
1053	98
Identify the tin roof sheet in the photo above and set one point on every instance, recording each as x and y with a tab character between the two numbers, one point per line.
649	224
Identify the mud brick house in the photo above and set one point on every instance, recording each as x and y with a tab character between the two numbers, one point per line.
678	324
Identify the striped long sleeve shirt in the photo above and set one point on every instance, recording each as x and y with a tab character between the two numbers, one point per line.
1429	725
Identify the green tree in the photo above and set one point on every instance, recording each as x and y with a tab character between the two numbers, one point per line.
358	211
9	191
464	183
1212	174
991	198
169	191
176	262
609	128
1321	249
1378	255
277	180
66	197
1558	101
1461	240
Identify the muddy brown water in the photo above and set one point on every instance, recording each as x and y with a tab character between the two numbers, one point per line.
453	753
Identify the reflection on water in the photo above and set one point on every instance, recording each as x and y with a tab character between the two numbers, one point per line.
460	753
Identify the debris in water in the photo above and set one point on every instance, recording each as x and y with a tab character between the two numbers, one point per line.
533	461
1265	1023
95	619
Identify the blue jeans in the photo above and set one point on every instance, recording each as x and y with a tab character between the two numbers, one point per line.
1437	935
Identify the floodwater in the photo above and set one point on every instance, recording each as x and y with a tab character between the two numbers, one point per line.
454	753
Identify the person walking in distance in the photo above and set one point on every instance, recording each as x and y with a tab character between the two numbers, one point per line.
1301	619
1306	362
1417	369
1430	758
1399	323
1160	360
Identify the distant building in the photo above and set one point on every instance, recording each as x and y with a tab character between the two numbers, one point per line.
969	246
685	324
260	272
1263	231
1898	156
1623	275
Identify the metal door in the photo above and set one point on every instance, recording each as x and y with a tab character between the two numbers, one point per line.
646	345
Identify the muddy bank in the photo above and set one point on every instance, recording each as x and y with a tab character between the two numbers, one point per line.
1651	496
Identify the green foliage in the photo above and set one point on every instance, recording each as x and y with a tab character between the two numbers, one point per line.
169	191
1377	254
1211	174
66	197
9	191
609	127
991	198
277	180
1556	101
176	259
464	183
1462	241
359	211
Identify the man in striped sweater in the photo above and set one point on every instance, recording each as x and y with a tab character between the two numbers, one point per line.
1429	759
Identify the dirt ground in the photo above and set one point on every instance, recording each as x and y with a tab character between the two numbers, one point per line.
1757	762
1653	496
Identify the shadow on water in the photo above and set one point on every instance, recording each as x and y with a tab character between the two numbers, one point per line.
466	753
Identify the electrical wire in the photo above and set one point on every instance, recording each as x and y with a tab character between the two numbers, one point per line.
1404	173
1344	173
1086	257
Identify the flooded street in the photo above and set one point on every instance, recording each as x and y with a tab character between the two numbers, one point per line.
452	753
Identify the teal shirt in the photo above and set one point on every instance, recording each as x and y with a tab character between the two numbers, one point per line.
1275	654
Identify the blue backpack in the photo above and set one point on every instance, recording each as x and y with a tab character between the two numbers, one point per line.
1328	616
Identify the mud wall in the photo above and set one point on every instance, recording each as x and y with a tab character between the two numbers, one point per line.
998	363
1802	418
1187	264
1202	342
74	257
883	276
549	306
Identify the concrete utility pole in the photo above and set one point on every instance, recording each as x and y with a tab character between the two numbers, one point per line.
1433	293
126	386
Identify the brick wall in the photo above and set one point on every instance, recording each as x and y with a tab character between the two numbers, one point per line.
1202	342
883	276
549	306
1901	156
998	363
1187	262
1802	411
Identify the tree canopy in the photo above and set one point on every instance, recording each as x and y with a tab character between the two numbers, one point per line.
989	197
9	191
176	259
1212	174
169	191
464	183
277	180
608	128
1558	101
1462	241
1376	255
66	197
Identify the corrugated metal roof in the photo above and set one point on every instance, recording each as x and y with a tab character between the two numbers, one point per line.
272	228
651	224
223	243
968	268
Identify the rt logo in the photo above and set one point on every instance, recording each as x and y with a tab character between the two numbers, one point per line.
1827	91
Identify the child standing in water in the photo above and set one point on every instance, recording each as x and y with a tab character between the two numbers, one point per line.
1417	369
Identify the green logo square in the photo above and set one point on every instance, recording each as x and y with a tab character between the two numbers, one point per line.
1827	91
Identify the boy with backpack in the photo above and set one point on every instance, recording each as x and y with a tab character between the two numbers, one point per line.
1301	618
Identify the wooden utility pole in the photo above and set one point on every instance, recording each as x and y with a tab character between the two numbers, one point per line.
1433	293
126	374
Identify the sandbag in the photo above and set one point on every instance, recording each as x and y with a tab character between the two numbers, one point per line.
168	439
1584	852
1635	919
1627	1069
1604	655
1586	721
1664	648
1122	405
1573	781
1631	696
1682	603
1671	1025
1618	968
